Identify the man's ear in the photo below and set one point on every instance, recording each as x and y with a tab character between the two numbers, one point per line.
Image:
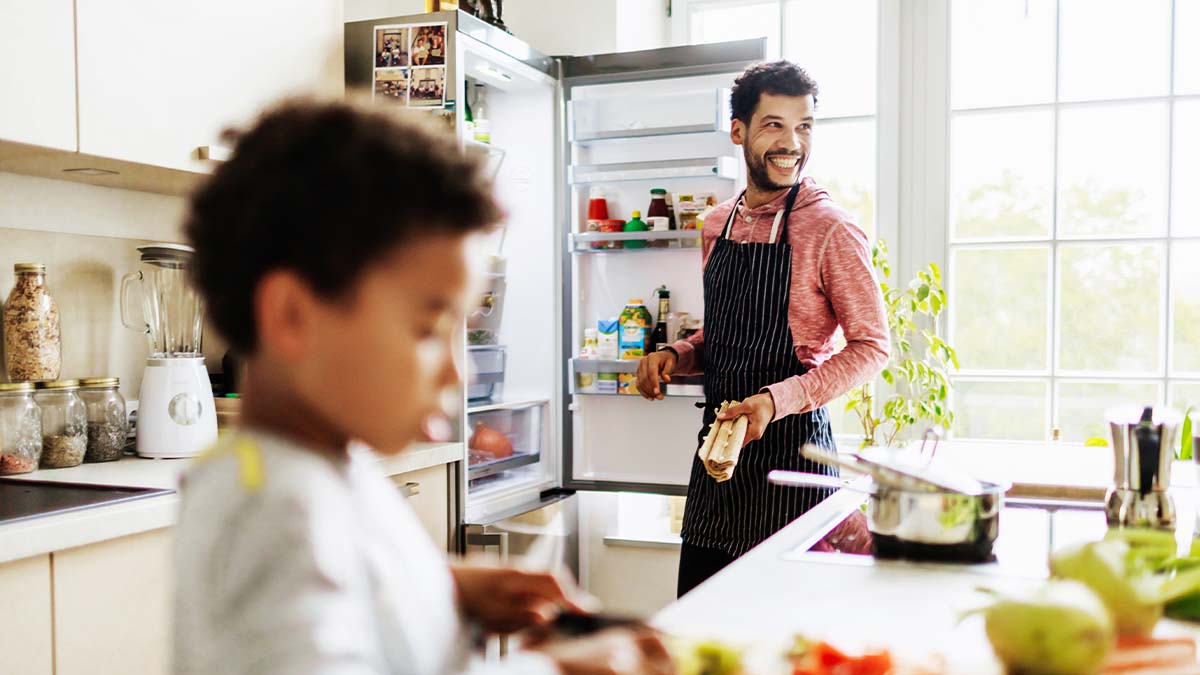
737	132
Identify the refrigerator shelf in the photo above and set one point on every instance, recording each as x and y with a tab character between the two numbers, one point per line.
725	168
673	390
485	406
583	242
485	469
603	366
628	134
613	117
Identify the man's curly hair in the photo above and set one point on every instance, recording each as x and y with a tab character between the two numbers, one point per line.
781	78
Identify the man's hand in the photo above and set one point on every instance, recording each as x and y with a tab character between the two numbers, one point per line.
506	600
760	408
616	651
653	368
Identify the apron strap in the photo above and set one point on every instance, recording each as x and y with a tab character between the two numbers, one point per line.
781	216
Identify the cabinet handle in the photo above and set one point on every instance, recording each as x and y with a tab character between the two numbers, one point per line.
215	153
410	489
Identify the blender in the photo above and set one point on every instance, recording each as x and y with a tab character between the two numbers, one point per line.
176	414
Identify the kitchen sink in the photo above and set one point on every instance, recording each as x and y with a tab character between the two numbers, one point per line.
25	499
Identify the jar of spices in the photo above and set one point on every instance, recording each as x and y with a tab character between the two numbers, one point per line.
32	340
64	424
107	425
20	429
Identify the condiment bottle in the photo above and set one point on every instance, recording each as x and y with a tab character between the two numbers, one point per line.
636	224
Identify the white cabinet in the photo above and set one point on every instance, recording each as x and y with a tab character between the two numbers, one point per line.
158	80
25	629
112	606
37	79
428	493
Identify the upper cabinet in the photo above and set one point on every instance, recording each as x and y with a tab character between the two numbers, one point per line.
37	73
160	80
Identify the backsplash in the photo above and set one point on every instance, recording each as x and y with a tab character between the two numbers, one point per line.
83	272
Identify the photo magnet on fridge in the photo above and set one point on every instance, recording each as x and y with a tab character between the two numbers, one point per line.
427	87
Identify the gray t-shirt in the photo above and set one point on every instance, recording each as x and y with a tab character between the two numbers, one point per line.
288	561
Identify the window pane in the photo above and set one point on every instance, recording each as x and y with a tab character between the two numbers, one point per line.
844	423
1001	174
1106	188
1185	215
1185	395
1109	307
1003	410
1187	47
981	30
998	306
1114	49
843	162
1185	294
836	43
1081	405
725	21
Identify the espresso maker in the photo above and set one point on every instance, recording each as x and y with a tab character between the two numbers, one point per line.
1143	443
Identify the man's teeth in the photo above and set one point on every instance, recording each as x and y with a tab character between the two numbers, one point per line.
784	162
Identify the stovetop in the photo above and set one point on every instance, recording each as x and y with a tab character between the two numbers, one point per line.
25	499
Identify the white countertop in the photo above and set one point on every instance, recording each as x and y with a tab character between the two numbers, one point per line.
37	536
763	599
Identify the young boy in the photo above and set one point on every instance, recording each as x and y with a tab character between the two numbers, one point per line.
332	251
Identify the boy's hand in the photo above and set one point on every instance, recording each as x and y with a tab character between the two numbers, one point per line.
506	600
616	651
653	368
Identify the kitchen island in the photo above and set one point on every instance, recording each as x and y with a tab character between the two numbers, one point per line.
779	588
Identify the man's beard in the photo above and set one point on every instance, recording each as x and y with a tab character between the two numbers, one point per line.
756	170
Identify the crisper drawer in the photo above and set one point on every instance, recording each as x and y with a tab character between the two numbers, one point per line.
506	442
632	116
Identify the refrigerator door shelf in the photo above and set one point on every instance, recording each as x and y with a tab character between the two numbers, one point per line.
725	168
617	117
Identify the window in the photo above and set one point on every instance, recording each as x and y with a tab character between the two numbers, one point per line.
837	43
1074	220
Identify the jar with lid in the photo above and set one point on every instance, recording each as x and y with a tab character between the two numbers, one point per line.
107	425
64	424
32	339
20	429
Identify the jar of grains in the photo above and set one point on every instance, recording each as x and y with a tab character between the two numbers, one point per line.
106	421
20	429
64	424
32	341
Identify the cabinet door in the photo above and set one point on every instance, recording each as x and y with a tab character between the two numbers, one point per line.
158	80
428	492
112	606
37	80
25	630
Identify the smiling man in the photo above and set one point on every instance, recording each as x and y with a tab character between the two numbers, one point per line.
784	267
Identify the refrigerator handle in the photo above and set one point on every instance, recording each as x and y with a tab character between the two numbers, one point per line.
497	539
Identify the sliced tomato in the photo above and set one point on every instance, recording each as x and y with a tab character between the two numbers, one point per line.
879	663
826	654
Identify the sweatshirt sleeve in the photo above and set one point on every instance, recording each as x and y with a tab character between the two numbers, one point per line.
848	281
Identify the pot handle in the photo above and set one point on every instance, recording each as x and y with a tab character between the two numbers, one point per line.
936	433
126	284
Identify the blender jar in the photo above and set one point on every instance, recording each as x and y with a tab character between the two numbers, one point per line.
172	311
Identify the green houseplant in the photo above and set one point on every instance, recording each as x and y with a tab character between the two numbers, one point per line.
917	373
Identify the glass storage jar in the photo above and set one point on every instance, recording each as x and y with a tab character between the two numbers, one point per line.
32	339
64	424
20	429
107	425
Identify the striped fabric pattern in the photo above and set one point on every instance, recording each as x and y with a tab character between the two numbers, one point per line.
748	345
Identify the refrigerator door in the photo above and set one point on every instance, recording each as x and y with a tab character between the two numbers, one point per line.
633	122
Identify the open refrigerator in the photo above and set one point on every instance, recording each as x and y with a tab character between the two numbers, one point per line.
557	127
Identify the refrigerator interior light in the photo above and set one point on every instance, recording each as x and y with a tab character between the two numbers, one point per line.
492	71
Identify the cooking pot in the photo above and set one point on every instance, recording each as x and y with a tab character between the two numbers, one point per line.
916	520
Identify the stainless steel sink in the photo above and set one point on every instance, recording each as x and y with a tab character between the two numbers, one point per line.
25	499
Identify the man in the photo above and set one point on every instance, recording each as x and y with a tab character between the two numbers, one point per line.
784	267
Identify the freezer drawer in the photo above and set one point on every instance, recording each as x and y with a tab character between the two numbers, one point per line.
540	535
506	443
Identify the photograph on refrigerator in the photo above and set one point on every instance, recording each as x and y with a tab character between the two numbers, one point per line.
391	84
429	45
427	87
391	47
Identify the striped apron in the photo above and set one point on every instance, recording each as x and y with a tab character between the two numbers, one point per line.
747	346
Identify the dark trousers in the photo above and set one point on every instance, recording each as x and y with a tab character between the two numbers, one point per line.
696	564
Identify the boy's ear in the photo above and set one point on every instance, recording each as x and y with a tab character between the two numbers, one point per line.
283	308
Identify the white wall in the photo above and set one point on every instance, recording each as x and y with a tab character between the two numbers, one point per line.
642	24
87	238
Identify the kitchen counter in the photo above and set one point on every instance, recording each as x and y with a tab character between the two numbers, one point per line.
856	602
36	536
